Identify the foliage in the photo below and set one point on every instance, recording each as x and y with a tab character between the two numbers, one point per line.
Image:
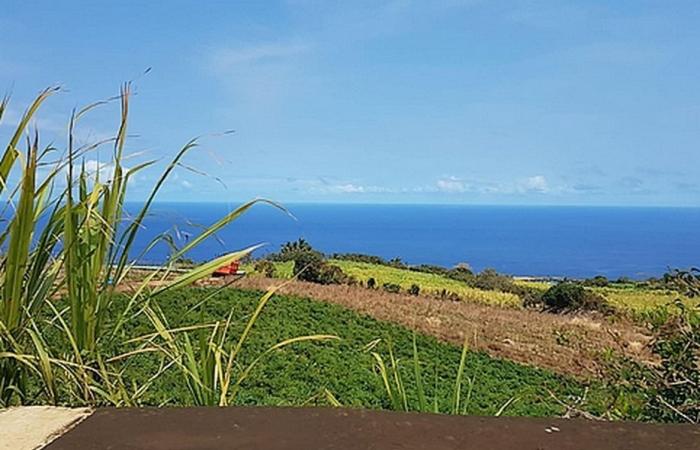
332	274
308	265
430	284
568	296
665	392
641	301
414	289
371	283
290	251
212	372
68	246
265	267
391	288
395	387
676	382
359	257
293	375
597	281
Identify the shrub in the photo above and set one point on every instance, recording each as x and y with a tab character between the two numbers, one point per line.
391	287
491	280
624	280
397	262
532	298
414	289
291	250
665	392
308	266
330	274
371	283
461	272
676	382
359	257
597	281
429	268
265	267
568	296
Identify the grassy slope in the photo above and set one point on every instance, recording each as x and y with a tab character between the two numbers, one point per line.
429	283
294	375
632	299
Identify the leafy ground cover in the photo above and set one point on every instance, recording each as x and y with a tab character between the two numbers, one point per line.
300	373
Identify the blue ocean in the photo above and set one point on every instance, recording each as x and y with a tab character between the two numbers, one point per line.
536	241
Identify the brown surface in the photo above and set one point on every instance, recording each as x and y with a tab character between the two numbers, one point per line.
568	344
309	428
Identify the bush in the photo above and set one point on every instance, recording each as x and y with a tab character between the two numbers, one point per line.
397	262
291	250
597	281
568	296
330	274
461	272
429	268
265	267
665	392
360	257
531	297
308	266
491	280
391	287
676	382
414	289
371	283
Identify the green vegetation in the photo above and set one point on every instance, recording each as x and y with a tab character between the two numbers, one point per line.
642	300
568	297
66	243
395	387
301	372
638	299
429	283
76	329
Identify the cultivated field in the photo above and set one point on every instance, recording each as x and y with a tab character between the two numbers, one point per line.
567	344
633	299
302	373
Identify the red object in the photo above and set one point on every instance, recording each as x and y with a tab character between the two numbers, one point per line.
231	269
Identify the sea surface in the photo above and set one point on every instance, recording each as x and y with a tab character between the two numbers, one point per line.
536	241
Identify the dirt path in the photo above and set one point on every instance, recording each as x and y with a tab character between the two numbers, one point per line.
566	344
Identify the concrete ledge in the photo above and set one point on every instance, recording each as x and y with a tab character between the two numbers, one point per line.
33	427
325	428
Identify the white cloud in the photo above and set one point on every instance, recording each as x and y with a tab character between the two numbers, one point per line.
451	184
537	183
104	170
350	188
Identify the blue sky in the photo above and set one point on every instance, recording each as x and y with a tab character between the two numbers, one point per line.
478	102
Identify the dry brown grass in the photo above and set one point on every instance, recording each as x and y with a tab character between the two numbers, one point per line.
567	344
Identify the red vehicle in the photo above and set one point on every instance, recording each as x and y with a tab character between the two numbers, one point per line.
231	269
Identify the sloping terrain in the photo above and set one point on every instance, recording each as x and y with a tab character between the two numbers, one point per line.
567	344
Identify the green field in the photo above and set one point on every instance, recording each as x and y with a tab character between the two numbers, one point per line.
429	283
632	299
295	375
